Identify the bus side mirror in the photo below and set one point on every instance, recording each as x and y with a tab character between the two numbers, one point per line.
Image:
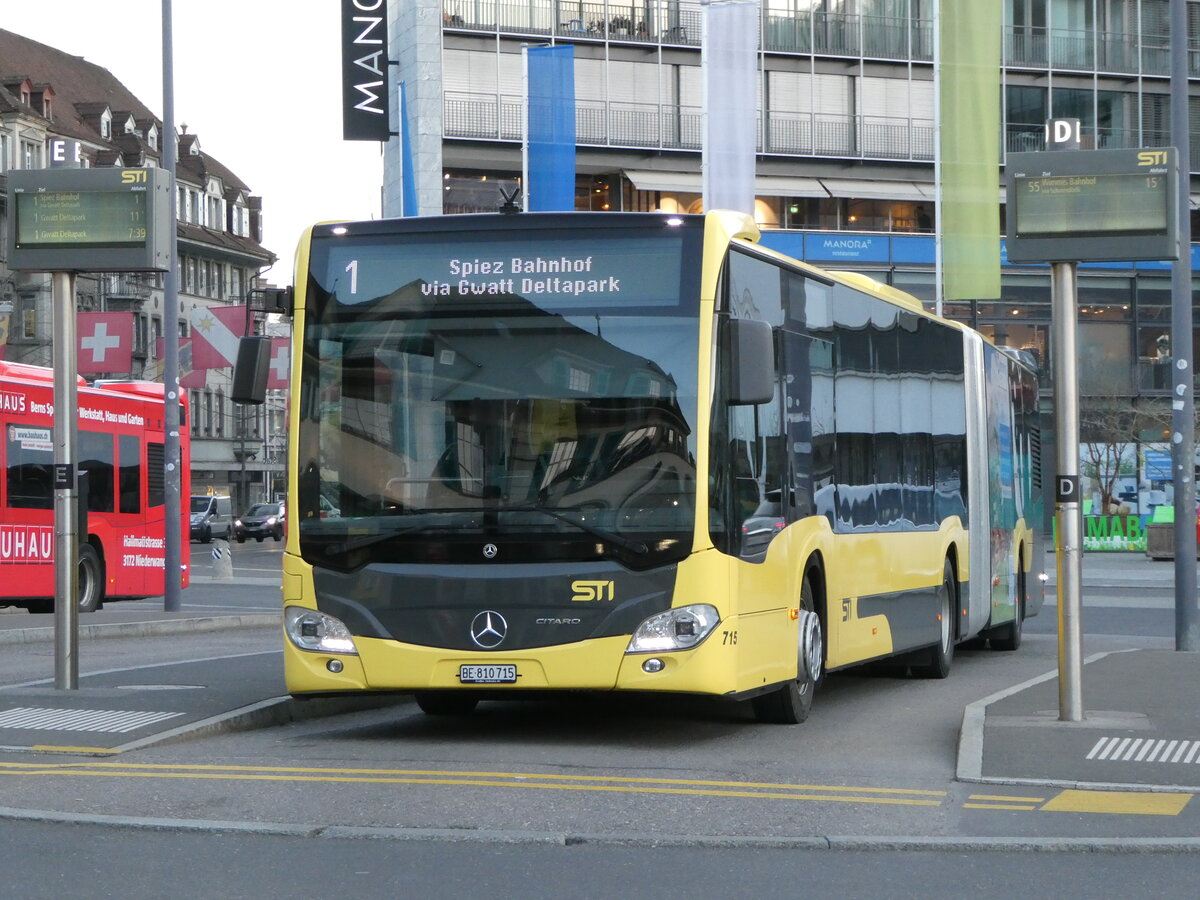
250	371
278	300
751	362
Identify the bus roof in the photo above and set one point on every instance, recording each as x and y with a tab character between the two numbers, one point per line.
44	375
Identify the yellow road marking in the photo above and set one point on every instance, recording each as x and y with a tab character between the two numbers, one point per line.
1119	802
765	790
997	806
1004	799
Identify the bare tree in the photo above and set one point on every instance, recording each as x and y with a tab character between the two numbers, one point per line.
1110	429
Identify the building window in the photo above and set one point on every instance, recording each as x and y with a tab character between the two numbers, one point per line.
214	214
31	155
220	413
195	413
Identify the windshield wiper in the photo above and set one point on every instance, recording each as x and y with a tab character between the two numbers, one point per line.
603	533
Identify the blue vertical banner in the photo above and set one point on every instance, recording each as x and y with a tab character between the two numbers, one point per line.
550	128
408	178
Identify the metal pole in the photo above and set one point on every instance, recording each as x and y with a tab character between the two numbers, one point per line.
1068	522
1183	418
66	490
173	538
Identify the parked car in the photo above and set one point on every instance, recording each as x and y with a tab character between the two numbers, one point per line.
212	516
260	521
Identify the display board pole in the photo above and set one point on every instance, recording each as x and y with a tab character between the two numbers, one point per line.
1183	403
66	486
1068	545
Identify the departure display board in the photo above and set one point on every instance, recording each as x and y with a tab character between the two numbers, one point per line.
81	219
1092	206
89	220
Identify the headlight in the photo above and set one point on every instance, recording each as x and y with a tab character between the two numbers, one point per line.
270	520
237	523
196	520
312	630
675	629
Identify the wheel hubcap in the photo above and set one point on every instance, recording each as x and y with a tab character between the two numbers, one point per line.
811	644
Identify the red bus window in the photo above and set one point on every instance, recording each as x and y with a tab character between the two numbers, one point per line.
30	460
129	450
96	459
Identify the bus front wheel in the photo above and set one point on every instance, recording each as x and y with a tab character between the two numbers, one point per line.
790	703
91	579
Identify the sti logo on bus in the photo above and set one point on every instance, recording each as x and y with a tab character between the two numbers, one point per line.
587	591
1153	158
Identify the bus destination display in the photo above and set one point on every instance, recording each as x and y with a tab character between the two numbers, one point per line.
81	219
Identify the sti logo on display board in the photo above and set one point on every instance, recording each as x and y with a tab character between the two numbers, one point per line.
89	220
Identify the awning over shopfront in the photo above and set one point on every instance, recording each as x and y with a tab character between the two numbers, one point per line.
878	190
690	183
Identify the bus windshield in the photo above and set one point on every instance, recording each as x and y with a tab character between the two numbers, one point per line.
525	388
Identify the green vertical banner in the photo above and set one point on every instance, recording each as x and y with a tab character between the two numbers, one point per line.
969	39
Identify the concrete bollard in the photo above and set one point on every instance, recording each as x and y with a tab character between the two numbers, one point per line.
222	560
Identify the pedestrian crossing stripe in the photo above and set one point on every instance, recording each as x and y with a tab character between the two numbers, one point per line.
116	721
1148	750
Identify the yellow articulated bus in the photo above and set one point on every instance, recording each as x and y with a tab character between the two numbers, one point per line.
639	452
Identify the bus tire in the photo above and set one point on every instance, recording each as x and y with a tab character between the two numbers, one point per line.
790	703
445	703
1008	637
941	654
91	579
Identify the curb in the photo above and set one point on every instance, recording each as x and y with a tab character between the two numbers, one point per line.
145	629
569	839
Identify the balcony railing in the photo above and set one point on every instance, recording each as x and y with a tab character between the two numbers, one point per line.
1117	52
669	127
679	22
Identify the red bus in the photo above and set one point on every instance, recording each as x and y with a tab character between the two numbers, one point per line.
121	449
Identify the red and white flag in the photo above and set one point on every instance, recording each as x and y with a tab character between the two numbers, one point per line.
281	363
104	343
215	333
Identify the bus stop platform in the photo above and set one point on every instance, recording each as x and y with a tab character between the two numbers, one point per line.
114	712
1140	727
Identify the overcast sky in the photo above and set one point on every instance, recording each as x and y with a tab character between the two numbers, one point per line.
258	81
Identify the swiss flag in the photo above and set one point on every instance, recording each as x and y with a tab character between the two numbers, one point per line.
281	363
188	377
104	343
215	333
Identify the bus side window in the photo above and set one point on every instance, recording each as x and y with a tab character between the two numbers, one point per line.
130	477
96	458
30	482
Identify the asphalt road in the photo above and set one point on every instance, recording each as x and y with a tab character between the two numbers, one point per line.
96	862
638	795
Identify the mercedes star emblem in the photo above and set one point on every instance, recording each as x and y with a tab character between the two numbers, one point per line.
490	550
488	629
